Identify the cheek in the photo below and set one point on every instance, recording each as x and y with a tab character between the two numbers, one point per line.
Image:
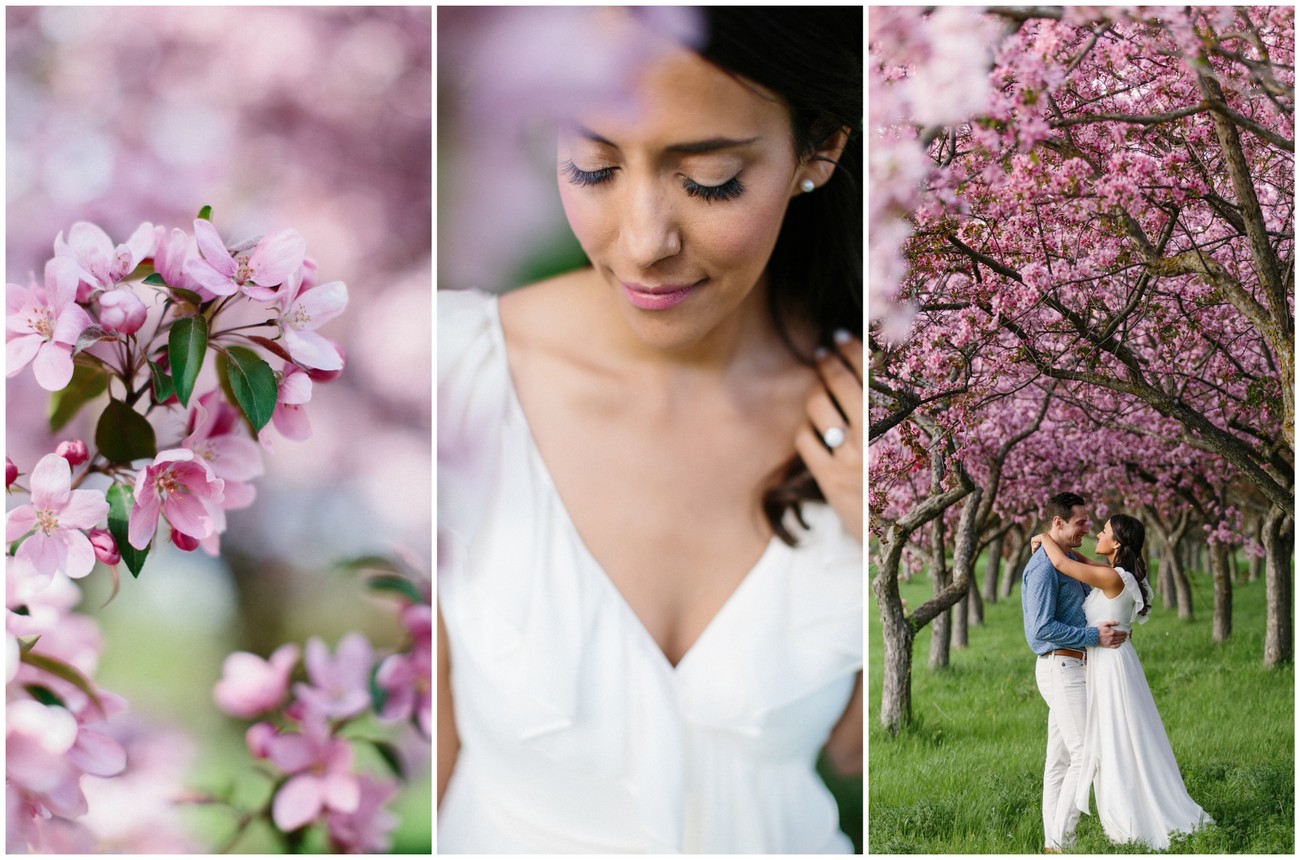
743	234
589	222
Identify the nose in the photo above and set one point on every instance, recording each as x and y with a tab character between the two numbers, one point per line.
649	231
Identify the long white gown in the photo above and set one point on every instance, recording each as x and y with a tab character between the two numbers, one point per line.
1127	758
577	734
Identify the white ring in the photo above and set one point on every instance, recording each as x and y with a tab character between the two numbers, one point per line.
834	437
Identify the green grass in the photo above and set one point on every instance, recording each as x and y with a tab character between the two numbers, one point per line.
967	776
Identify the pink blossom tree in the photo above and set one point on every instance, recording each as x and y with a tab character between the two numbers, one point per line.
1114	221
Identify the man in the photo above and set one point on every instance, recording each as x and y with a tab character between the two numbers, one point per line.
1057	631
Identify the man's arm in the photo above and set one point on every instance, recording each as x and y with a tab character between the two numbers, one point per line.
1040	614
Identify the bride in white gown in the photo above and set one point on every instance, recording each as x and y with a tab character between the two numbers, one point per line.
1127	758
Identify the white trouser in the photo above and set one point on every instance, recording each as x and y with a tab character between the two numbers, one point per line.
1063	682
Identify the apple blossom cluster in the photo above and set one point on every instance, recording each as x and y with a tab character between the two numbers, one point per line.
126	330
306	732
137	322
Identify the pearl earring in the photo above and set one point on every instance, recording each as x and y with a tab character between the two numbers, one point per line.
807	185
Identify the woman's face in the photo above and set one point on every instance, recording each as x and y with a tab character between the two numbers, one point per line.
1106	540
678	206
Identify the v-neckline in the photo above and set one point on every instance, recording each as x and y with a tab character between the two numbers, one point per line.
773	547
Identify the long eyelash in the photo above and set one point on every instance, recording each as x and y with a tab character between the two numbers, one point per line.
578	176
729	190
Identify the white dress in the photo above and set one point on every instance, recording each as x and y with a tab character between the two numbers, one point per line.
1127	758
577	734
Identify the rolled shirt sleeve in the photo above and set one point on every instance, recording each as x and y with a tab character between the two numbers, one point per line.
1044	628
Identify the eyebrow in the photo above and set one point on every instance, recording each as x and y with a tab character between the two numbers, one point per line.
713	144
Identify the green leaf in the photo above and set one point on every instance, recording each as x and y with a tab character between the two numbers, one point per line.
68	673
206	213
186	345
371	562
44	695
163	388
120	502
378	695
252	382
389	754
123	435
87	383
187	295
397	584
155	280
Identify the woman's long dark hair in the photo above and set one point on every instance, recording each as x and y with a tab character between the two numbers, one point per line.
1131	535
812	58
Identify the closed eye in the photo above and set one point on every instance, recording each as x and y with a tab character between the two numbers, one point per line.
729	190
578	176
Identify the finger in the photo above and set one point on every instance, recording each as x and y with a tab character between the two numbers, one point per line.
850	349
824	415
814	453
843	386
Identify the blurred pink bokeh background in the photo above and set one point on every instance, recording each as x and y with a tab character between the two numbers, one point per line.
313	118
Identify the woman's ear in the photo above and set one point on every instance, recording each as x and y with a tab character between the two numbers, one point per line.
817	168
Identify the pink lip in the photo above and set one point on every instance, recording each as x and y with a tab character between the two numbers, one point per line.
660	297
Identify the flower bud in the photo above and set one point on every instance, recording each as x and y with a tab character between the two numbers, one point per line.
105	546
329	375
184	541
257	738
11	472
121	311
74	452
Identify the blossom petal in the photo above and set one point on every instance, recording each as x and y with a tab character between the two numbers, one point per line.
292	422
144	520
277	257
51	483
143	243
21	350
72	321
212	248
93	250
97	754
61	278
209	278
53	366
296	387
84	509
78	554
43	552
310	349
297	803
342	793
321	304
235	458
19	522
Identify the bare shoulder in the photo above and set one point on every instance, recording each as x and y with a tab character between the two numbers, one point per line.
545	310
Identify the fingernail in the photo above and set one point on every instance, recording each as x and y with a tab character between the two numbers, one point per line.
842	336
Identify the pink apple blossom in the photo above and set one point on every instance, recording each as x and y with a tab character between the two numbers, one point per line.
105	547
74	451
180	487
251	686
320	769
408	678
121	311
270	263
368	828
289	416
44	324
174	250
101	264
216	436
340	686
58	514
308	311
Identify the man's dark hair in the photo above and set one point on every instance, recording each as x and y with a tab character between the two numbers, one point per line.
1061	505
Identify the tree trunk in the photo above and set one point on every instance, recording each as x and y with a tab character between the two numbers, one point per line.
975	602
1255	563
1165	577
941	628
992	569
1276	534
1172	573
896	691
1222	592
1015	566
961	621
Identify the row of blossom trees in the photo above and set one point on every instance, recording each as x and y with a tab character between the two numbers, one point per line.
1083	246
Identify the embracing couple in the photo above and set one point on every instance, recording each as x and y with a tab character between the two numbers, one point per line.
1103	730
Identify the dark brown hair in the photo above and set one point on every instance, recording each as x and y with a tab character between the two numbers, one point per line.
812	58
1131	535
1061	505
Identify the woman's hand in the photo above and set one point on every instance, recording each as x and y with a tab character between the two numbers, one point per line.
831	443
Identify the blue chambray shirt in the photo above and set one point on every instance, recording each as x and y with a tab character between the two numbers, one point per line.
1053	606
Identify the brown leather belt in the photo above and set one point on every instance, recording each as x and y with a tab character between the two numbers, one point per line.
1066	652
